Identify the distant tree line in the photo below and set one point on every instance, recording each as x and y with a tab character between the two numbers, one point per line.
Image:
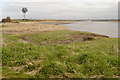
7	19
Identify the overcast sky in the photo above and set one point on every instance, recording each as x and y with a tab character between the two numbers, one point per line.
60	9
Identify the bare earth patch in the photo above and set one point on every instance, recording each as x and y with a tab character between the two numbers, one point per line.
72	38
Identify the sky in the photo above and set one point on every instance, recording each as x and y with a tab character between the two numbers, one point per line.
60	9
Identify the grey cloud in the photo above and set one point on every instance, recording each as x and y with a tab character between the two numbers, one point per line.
62	10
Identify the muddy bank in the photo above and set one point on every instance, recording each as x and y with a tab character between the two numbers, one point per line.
68	39
58	22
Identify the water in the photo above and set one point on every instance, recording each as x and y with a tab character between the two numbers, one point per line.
106	28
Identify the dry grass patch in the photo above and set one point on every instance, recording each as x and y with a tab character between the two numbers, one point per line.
29	27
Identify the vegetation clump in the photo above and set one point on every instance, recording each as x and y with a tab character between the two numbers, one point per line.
39	55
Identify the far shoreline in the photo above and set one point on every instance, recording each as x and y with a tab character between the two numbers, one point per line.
59	23
116	20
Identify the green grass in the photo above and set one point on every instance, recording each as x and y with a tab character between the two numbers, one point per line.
12	74
95	58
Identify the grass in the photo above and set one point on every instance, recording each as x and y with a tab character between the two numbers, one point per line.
30	56
3	25
29	27
11	74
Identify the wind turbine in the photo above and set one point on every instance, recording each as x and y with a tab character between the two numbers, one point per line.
24	10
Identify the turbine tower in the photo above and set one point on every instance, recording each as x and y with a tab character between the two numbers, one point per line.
24	10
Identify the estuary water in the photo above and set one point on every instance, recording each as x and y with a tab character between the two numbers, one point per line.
109	28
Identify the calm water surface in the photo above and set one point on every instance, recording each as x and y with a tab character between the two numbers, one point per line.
106	28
